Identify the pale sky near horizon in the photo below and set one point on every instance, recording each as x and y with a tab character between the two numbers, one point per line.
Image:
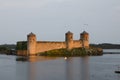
51	19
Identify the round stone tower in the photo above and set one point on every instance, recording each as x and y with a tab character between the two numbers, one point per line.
84	37
69	40
31	44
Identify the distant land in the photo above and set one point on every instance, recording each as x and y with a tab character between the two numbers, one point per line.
9	48
106	46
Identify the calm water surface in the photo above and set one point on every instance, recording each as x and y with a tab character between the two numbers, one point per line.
111	50
47	68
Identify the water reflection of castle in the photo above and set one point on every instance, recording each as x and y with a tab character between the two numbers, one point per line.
79	72
34	46
69	69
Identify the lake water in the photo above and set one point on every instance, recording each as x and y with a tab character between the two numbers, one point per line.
59	68
112	50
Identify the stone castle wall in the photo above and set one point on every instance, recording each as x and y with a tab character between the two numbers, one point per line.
77	44
34	46
22	52
43	46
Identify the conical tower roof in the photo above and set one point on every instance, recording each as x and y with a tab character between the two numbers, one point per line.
31	34
84	32
69	32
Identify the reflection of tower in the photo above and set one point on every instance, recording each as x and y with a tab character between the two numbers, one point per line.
80	71
84	37
22	71
69	40
32	71
26	71
84	68
31	44
69	69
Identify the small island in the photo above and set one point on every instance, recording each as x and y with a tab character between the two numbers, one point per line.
75	52
69	47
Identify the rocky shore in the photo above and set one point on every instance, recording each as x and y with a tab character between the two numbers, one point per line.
73	52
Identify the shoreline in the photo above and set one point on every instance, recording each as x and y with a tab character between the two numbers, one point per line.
73	52
39	54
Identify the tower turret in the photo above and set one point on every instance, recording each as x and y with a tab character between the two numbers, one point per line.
69	40
84	37
31	44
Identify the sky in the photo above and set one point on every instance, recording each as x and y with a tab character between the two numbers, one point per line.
51	19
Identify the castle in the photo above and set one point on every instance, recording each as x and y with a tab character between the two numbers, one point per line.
32	46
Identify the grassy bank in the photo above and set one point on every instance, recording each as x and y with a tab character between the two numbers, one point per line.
74	52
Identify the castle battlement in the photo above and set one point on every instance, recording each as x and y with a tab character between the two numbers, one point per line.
33	46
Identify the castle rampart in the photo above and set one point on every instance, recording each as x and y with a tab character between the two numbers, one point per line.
77	43
33	46
45	46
